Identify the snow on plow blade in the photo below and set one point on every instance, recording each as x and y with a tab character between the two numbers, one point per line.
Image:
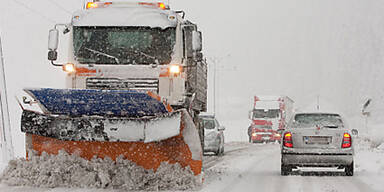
111	123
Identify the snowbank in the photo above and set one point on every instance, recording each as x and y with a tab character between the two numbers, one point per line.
369	162
64	170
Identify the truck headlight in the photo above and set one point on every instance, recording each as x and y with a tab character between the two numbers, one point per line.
175	69
69	68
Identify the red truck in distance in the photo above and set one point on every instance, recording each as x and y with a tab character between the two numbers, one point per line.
268	116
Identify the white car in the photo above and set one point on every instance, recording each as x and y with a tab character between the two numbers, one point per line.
317	140
213	134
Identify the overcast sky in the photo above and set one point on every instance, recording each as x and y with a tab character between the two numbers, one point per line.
299	48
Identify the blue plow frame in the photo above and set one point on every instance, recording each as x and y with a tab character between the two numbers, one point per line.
80	102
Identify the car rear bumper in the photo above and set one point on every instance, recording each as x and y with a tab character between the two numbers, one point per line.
317	159
211	146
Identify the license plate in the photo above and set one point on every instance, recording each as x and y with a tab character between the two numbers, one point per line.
324	140
266	138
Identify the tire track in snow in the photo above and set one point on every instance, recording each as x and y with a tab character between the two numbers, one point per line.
246	169
210	162
258	168
358	184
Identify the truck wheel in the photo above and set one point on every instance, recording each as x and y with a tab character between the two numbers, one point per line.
285	169
349	170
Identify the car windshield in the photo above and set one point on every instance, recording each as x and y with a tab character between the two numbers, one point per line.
123	45
311	120
265	113
208	123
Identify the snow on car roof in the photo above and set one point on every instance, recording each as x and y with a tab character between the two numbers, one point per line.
125	16
268	104
268	97
207	116
317	112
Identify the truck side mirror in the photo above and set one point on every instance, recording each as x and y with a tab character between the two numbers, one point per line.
196	41
53	42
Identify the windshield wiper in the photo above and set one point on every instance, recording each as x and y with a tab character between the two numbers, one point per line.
104	54
149	56
331	126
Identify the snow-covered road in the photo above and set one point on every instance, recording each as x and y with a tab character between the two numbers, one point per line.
257	167
251	167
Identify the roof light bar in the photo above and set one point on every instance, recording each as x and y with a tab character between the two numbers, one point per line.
159	5
92	5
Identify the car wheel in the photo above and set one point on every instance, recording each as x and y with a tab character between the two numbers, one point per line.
217	153
285	169
349	170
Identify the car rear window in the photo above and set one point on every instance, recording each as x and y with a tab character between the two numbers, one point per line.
208	123
322	120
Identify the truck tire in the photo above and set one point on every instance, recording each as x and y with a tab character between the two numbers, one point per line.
349	170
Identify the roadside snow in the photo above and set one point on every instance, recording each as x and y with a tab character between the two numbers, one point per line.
64	170
370	162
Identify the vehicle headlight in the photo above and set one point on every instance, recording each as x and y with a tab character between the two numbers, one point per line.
277	135
175	69
69	68
254	134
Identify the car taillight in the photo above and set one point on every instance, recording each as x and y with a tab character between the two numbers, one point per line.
347	141
287	140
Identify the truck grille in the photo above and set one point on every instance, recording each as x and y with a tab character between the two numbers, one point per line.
144	84
264	133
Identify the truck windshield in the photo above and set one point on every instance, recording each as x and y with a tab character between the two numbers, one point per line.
262	113
263	126
123	45
310	120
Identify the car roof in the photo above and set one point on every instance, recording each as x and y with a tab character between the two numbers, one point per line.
319	113
207	116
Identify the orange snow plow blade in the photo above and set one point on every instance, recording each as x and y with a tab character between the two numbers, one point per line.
140	128
148	155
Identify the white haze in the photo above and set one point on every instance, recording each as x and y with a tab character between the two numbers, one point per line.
300	48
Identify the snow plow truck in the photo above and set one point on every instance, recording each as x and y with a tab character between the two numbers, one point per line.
269	117
136	81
